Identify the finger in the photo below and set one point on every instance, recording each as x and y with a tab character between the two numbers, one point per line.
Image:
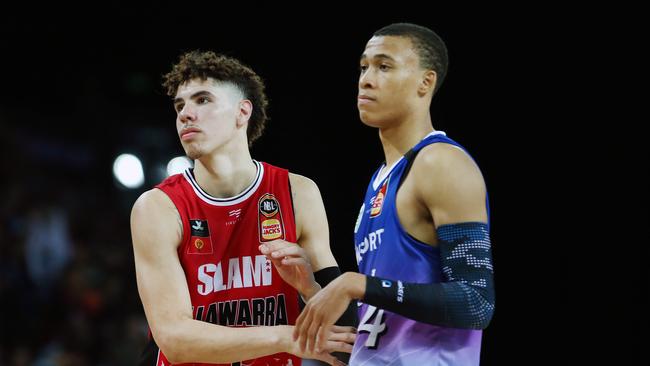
342	329
268	247
264	248
278	244
311	335
276	262
332	346
304	328
347	337
293	261
293	250
321	338
298	326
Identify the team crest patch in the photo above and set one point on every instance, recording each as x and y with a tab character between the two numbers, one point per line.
377	203
200	240
271	225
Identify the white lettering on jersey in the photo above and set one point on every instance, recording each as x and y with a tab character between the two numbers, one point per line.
376	328
234	274
252	273
370	242
256	273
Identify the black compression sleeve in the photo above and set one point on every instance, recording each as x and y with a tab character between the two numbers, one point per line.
327	275
349	317
465	298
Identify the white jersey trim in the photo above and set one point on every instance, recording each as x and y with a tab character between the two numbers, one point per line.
229	201
383	173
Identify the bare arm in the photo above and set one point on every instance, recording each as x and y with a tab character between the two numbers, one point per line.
157	231
449	189
298	263
449	185
311	222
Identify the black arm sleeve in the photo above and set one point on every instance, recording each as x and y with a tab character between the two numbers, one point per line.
327	275
349	317
465	298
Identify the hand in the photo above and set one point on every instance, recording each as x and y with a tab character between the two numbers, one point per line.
338	339
325	308
292	263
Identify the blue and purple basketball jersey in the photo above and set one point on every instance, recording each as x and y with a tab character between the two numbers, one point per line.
384	249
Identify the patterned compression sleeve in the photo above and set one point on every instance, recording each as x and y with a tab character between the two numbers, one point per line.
466	297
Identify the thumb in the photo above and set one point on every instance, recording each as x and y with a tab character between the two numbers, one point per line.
331	360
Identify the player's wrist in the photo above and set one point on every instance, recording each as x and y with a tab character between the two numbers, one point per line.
283	338
311	291
354	285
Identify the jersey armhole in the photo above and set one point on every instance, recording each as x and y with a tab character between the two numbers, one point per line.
293	210
185	225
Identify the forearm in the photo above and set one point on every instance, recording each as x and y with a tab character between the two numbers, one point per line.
465	297
196	341
329	274
449	304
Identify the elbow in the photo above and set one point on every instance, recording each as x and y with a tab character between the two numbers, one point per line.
483	302
484	317
169	341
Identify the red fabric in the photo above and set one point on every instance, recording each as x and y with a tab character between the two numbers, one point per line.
230	282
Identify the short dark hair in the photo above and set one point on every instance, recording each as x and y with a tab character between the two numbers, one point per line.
429	46
207	64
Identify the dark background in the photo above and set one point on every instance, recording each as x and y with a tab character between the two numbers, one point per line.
565	169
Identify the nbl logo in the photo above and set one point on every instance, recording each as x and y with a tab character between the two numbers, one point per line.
271	226
268	205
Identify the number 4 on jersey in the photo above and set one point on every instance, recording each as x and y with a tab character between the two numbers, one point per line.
376	328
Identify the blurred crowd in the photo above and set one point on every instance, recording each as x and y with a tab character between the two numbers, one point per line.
67	280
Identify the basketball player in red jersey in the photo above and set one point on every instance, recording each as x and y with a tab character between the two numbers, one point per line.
201	238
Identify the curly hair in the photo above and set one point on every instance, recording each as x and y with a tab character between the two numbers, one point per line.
204	65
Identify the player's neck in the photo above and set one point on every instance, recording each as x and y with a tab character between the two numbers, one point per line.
225	174
397	140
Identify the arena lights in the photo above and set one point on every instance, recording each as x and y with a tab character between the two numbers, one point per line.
127	169
178	165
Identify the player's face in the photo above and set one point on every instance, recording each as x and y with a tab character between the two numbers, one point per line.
206	112
388	82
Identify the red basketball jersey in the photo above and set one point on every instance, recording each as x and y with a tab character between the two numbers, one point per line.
231	283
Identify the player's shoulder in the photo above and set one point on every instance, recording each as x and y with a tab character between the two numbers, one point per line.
302	185
444	162
152	202
172	181
442	155
155	222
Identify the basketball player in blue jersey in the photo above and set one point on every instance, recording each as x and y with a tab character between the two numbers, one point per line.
422	241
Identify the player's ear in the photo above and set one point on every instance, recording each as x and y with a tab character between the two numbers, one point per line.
428	82
244	113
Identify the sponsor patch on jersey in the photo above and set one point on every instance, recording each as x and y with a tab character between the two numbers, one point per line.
377	202
269	206
199	228
200	240
271	229
271	225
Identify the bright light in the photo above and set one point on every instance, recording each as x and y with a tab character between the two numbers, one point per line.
178	165
127	169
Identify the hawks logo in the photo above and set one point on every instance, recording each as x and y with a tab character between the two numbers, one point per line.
271	226
200	240
377	202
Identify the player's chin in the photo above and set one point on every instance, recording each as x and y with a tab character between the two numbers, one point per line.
369	119
193	152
